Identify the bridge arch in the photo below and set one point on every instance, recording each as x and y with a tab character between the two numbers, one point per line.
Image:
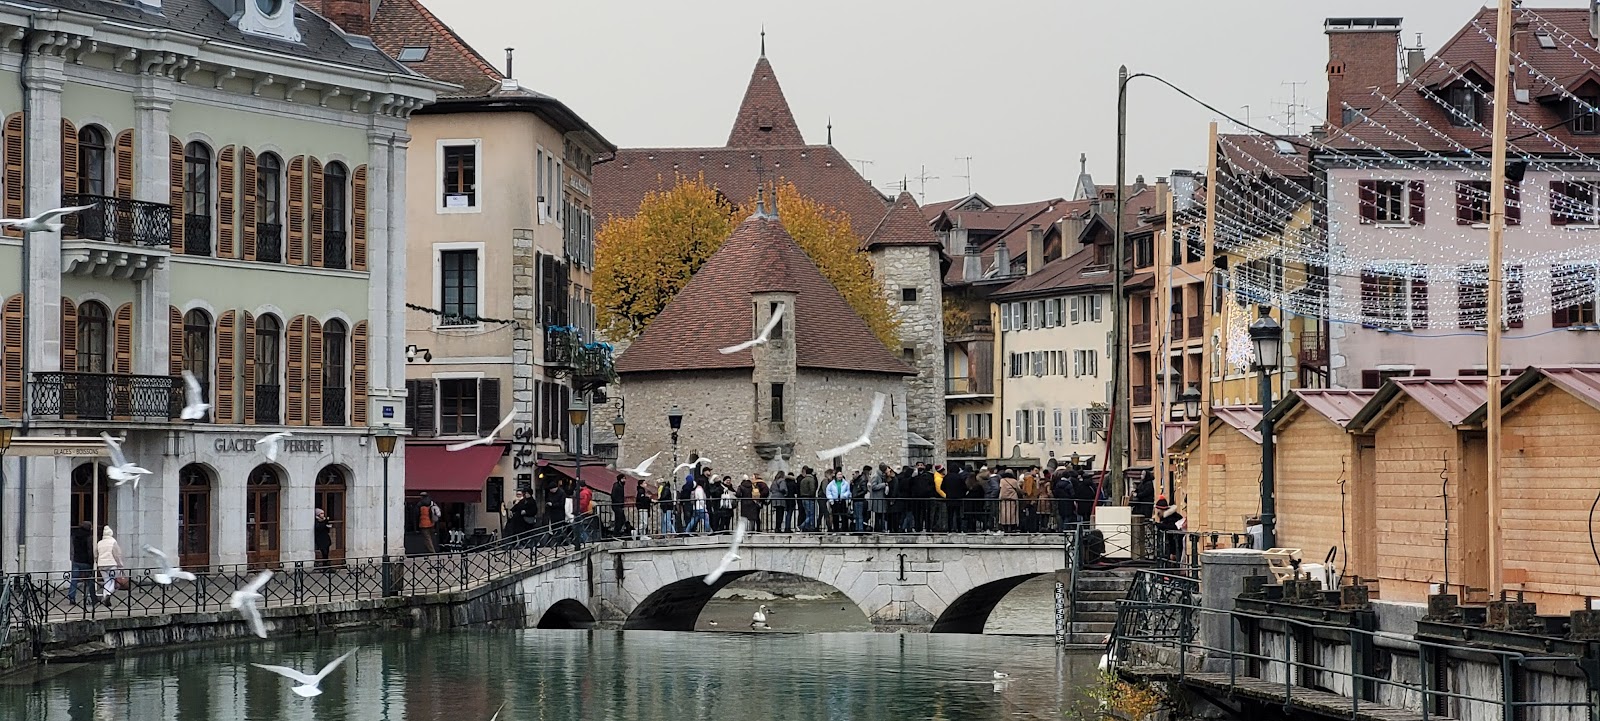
969	612
566	613
677	605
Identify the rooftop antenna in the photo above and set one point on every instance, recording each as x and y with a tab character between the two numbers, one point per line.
923	179
968	177
1294	104
509	52
863	164
1247	122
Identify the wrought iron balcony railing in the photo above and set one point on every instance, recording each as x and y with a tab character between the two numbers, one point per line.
106	396
333	406
560	346
197	235
269	242
118	220
335	249
269	399
593	365
966	447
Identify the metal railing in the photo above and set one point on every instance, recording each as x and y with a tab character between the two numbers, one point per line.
269	242
560	345
1176	329
333	406
118	220
268	401
967	447
958	385
105	396
196	234
335	249
1158	607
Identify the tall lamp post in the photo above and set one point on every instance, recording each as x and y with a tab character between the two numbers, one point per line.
385	439
675	421
1267	337
578	414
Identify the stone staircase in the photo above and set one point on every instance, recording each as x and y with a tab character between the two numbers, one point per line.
1095	605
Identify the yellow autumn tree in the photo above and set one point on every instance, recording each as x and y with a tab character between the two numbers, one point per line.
825	235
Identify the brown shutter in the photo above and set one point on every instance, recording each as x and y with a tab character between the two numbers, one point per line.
227	368
488	405
1419	297
247	208
1464	196
427	411
122	362
1369	297
248	328
314	168
124	174
69	335
11	320
1558	202
358	219
1514	312
1368	200
175	179
358	374
313	372
1371	379
225	195
1419	202
69	158
15	178
175	341
296	381
1513	203
297	211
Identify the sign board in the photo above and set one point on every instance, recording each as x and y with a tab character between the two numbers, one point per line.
57	447
288	445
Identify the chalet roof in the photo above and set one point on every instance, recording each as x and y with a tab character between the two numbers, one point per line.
764	117
1451	400
903	225
1582	381
1244	419
1338	405
713	311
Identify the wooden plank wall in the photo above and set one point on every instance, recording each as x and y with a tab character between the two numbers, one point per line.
1314	466
1413	447
1549	464
1234	480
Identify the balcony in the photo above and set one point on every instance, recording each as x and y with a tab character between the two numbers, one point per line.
118	220
106	396
1197	326
269	398
966	447
335	249
1177	328
197	235
593	366
967	386
1141	395
269	243
1141	334
560	345
333	406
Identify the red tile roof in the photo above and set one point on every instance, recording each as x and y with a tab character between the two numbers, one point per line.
764	117
1261	154
1057	275
713	311
1335	404
400	24
903	225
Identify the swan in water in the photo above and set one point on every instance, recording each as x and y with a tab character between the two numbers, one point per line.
1000	676
759	618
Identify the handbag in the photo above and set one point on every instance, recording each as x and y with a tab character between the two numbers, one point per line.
122	582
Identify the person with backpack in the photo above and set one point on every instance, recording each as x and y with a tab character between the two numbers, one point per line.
641	503
584	511
1066	509
669	509
809	520
427	520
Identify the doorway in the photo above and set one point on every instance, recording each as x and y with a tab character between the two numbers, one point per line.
194	517
331	489
263	495
84	506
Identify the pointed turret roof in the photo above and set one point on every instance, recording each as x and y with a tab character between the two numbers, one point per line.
904	225
713	311
764	116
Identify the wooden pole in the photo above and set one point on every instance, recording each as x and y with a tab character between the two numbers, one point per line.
1161	313
1116	457
1497	230
1202	482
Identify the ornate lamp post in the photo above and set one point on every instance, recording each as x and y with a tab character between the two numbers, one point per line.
385	439
1267	337
1191	403
675	421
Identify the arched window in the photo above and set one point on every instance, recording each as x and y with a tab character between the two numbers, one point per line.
269	196
335	370
335	204
269	333
194	516
86	507
262	498
92	161
93	337
197	347
197	199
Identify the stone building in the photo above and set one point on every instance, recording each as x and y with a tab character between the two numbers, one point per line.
244	161
811	387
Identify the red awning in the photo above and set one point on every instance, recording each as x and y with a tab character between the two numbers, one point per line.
597	476
450	476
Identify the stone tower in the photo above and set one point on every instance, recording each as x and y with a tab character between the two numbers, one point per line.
909	262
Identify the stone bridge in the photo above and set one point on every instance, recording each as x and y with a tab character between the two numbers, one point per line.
943	583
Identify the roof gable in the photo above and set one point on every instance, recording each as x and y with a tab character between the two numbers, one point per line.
764	116
1451	400
903	225
400	24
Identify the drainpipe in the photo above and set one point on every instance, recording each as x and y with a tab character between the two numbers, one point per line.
22	461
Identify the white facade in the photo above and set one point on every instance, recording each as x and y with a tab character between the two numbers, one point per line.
1055	367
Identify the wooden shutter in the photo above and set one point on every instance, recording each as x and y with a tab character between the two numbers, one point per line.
358	374
1513	203
1514	311
69	158
122	361
297	211
411	407
314	168
1371	379
488	405
427	411
313	372
1369	297
1558	202
69	335
295	383
225	196
1419	202
15	175
175	180
175	341
1419	297
124	172
358	219
11	320
227	368
248	328
247	208
1368	200
1464	195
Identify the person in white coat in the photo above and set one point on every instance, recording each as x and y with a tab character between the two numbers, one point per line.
108	559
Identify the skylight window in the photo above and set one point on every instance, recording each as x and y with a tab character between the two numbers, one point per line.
413	54
1285	147
1545	41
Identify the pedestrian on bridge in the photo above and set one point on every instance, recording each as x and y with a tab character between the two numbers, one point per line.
669	507
955	493
878	499
1010	491
82	539
859	482
809	491
784	489
641	505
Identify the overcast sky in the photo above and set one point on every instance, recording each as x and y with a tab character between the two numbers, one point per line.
1021	86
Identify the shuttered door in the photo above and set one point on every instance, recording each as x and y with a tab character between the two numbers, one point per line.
247	214
11	320
488	405
358	374
225	196
227	369
124	177
69	158
175	178
248	328
358	219
313	372
315	169
175	341
69	335
122	360
15	173
296	381
297	211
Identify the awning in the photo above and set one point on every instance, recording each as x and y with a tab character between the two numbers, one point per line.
450	476
597	475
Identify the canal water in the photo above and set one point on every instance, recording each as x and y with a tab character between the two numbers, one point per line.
570	675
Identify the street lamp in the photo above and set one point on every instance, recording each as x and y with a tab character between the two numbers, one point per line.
1267	337
578	414
1191	402
675	421
618	425
385	439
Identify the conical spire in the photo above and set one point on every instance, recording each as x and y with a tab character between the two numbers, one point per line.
764	116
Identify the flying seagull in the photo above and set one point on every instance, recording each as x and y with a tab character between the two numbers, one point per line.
197	398
766	333
308	684
640	470
497	711
866	435
695	464
48	221
487	439
167	572
732	554
244	600
269	444
120	470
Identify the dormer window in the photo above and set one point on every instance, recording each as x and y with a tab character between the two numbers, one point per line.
269	8
413	54
268	18
1463	106
1584	119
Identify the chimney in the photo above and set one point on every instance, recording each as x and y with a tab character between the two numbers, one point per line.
1035	248
1363	53
971	257
1184	185
1071	228
1002	260
1594	19
1138	185
509	53
1416	57
352	16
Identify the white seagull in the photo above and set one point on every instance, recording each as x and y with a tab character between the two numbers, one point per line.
497	711
766	334
732	554
1001	676
308	684
48	221
696	464
487	439
640	470
759	618
120	470
244	600
197	407
167	572
269	444
866	435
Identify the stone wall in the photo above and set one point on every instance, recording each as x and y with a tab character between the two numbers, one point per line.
922	330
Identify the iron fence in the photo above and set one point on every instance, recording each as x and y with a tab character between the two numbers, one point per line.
118	220
269	242
335	249
1159	607
196	234
269	400
333	406
818	515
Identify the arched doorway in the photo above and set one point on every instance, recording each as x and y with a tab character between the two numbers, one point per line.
194	516
263	494
84	506
331	489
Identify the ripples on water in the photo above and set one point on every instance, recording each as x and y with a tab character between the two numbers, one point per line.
561	675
